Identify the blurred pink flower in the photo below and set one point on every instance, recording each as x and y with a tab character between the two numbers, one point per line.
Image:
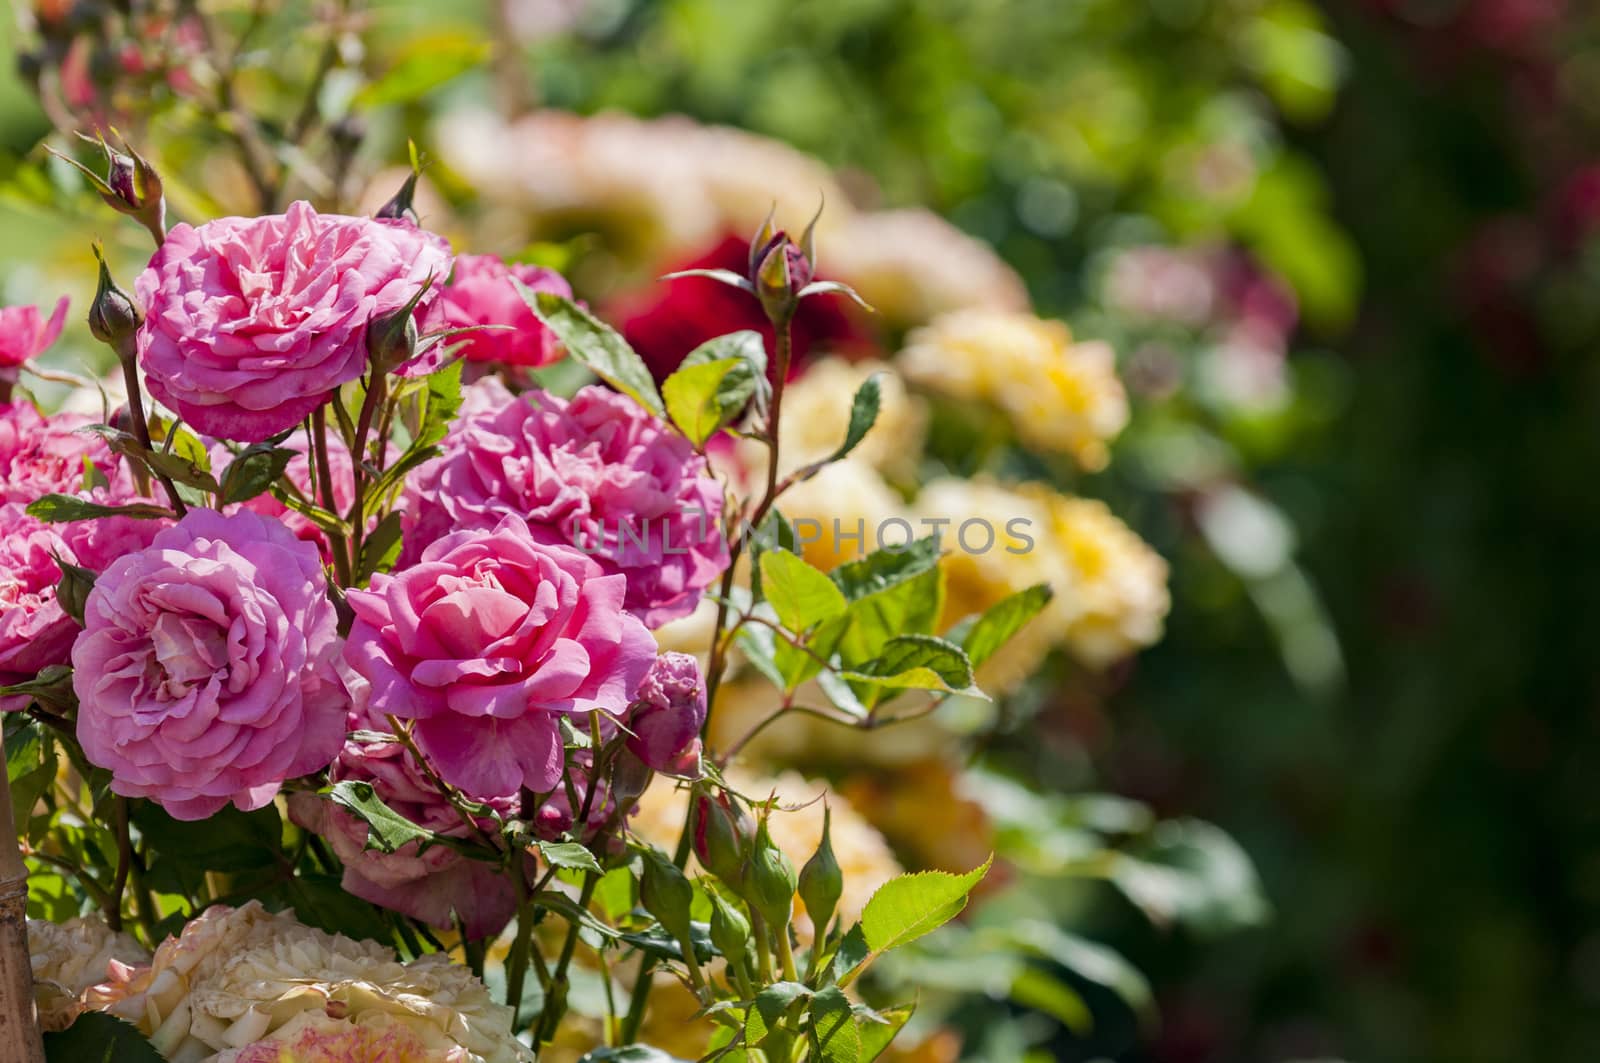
481	293
597	472
207	670
485	641
251	323
24	333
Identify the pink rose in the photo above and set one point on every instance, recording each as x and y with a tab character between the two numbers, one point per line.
251	323
667	713
433	885
207	670
35	632
481	293
24	333
42	455
597	472
486	641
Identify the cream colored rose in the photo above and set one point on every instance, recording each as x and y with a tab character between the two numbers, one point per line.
68	958
236	977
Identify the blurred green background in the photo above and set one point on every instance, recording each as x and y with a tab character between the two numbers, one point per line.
1380	672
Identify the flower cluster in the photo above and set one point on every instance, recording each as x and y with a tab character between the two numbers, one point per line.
595	472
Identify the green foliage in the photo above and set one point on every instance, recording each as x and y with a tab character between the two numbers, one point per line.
253	470
715	383
96	1037
905	908
597	345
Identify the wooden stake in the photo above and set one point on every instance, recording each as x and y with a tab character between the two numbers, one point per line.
19	1022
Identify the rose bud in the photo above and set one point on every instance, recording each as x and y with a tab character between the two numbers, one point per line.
821	882
668	711
769	881
722	833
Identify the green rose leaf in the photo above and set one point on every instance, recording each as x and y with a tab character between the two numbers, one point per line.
569	855
834	1036
1003	620
909	906
595	344
387	830
801	595
60	509
702	398
99	1038
255	469
919	662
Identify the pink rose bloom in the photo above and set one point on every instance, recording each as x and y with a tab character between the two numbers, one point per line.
34	631
597	472
251	323
486	641
24	333
434	885
481	293
667	713
42	455
207	670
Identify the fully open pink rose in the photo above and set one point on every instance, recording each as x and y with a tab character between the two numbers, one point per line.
598	472
34	631
481	293
250	323
207	670
437	885
24	332
486	641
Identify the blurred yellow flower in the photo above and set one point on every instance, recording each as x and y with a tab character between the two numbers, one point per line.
1114	599
843	513
1061	395
1110	587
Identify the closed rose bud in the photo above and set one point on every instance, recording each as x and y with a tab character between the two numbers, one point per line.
400	206
392	340
722	834
114	318
769	881
730	930
821	882
666	893
774	281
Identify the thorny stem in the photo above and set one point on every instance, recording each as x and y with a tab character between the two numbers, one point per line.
454	796
377	391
